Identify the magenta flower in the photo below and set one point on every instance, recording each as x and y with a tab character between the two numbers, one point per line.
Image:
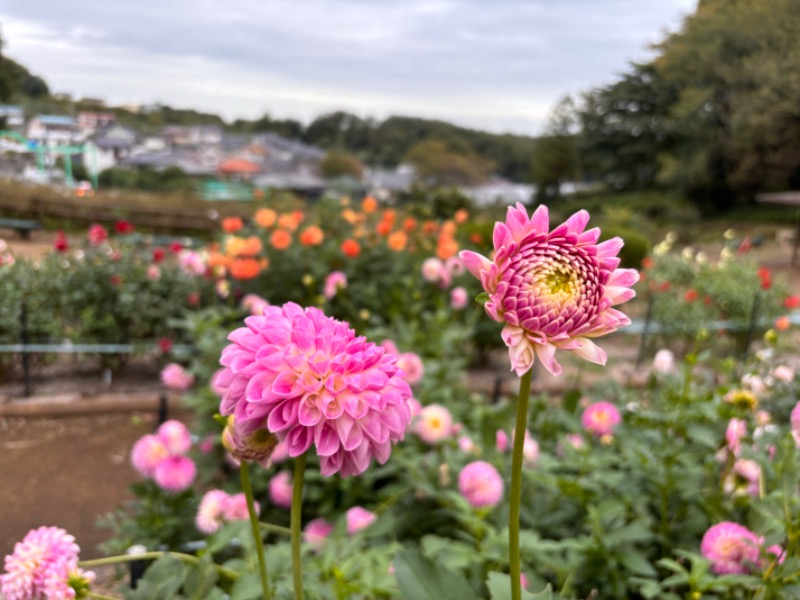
601	418
316	532
175	436
731	548
44	565
359	518
794	420
480	483
175	473
175	377
553	290
97	234
280	489
501	441
434	424
147	453
333	283
308	379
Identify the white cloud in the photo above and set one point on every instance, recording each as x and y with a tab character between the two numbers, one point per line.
499	65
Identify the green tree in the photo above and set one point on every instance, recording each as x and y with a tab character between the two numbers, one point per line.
337	164
554	155
437	165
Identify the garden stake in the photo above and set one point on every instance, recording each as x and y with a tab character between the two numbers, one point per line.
297	507
516	484
257	539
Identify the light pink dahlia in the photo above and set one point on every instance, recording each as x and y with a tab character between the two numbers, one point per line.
148	451
736	430
794	420
334	282
552	289
175	436
254	304
731	548
280	489
309	379
42	566
459	298
601	418
211	512
434	424
236	508
480	483
359	518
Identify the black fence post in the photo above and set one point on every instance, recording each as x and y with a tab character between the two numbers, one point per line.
26	357
498	388
136	568
163	409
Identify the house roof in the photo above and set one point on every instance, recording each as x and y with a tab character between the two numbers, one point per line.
61	120
238	165
115	137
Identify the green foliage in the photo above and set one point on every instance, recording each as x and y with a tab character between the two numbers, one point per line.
171	179
636	248
438	165
337	164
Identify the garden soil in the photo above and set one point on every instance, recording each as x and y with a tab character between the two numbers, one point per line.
64	453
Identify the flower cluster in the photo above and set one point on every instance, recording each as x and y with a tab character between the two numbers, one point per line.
218	507
553	290
162	456
44	565
311	381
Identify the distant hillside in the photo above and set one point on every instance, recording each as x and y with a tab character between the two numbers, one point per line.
385	143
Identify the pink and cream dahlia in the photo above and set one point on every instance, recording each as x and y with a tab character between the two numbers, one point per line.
175	377
44	565
280	489
553	290
731	548
434	424
316	532
359	518
308	379
147	453
211	512
601	418
175	436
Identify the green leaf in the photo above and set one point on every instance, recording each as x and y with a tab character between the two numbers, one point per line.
635	562
499	585
162	579
420	578
247	587
482	298
201	579
631	533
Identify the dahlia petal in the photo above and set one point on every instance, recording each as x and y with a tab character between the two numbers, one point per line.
610	248
299	440
522	357
331	464
308	413
547	354
590	351
501	236
283	416
589	238
618	295
286	384
577	222
474	262
518	223
381	451
327	439
540	221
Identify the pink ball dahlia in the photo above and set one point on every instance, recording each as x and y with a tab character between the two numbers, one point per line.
175	377
316	532
44	565
736	430
794	420
147	453
459	298
280	489
236	508
601	418
481	484
731	548
552	289
175	473
309	379
334	282
175	436
359	518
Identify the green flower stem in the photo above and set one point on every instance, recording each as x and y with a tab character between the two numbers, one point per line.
297	507
124	558
274	528
516	484
257	539
98	596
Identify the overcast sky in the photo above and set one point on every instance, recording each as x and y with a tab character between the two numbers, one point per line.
490	64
